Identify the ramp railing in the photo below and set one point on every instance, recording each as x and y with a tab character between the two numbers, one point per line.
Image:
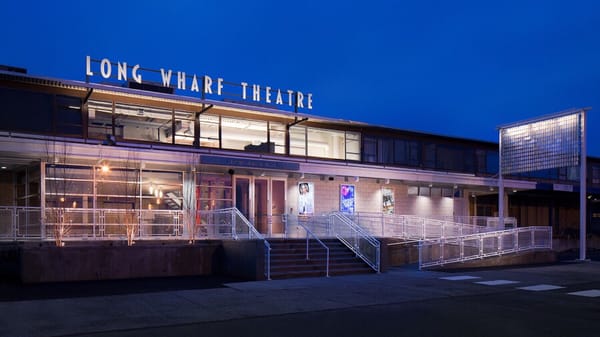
440	251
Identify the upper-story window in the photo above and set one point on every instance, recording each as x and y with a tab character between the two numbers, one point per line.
245	134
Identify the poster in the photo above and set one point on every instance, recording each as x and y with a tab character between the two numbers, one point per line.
388	200
306	200
347	200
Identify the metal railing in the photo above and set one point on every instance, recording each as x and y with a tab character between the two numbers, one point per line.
363	244
302	226
412	227
337	226
230	222
435	252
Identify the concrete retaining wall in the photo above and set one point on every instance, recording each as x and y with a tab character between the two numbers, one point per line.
47	263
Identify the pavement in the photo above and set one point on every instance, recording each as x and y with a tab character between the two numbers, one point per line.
562	299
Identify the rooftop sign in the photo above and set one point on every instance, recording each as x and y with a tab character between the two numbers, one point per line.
203	85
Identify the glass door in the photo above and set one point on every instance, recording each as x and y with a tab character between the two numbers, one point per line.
277	207
261	205
262	201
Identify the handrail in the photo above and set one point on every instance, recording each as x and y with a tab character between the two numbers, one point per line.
414	227
440	251
308	231
251	232
357	237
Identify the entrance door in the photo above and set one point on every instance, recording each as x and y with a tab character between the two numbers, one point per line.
277	206
262	201
261	205
242	196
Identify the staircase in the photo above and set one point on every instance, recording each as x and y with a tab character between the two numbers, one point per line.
288	259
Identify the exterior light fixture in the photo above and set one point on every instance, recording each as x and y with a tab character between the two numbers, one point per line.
3	167
515	191
356	179
158	201
430	185
302	176
104	168
455	186
387	181
160	193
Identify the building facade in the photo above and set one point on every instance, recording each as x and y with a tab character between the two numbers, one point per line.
95	149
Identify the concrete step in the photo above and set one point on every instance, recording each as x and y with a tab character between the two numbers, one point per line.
288	259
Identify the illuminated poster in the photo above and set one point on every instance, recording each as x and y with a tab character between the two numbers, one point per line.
306	201
388	200
347	200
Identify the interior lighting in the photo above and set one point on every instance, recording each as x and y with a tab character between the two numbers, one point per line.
151	188
160	193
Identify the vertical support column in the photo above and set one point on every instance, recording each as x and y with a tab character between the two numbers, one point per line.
42	200
500	184
582	189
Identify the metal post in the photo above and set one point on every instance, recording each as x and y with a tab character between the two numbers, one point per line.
500	184
582	189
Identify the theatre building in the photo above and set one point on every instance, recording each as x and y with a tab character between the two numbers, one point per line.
180	160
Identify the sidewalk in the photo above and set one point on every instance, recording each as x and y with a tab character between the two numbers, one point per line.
240	300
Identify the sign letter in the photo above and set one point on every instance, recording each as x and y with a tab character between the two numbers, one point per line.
166	77
136	77
105	68
207	85
88	66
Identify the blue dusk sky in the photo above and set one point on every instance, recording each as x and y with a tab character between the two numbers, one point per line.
456	68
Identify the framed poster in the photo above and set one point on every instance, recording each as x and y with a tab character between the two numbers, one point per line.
306	200
387	205
347	198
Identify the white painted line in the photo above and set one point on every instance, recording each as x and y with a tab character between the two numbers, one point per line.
496	282
459	278
587	293
541	287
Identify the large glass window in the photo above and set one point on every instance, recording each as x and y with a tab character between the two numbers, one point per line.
386	151
326	143
68	116
245	134
406	152
143	123
277	136
184	127
370	149
214	191
352	145
209	130
298	141
99	119
429	155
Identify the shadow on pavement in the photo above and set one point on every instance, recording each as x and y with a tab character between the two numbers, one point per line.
11	290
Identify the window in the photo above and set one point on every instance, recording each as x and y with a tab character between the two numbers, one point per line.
184	127
209	131
352	145
325	143
385	151
370	149
277	136
298	141
244	134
